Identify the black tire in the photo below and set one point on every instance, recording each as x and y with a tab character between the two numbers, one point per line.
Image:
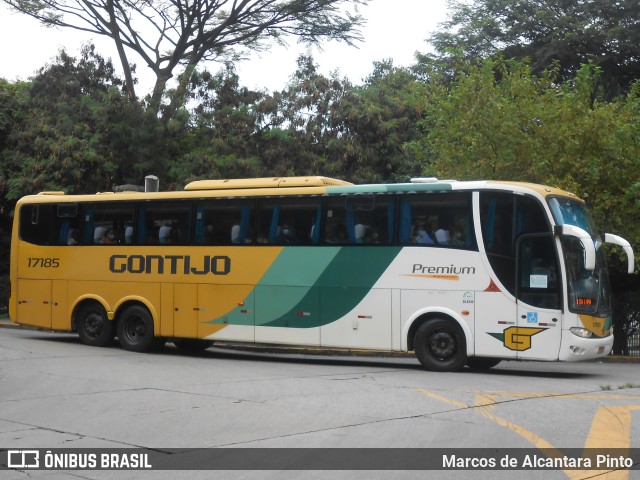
93	326
192	345
440	346
480	363
135	329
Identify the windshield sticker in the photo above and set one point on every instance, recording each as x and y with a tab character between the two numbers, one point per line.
538	281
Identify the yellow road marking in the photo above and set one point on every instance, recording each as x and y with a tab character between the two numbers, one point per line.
610	428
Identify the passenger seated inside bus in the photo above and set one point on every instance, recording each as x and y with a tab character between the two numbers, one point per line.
442	234
422	235
98	233
458	237
74	237
286	235
128	235
360	232
164	233
214	236
239	237
108	237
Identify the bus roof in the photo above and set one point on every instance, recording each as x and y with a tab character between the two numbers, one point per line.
308	185
269	182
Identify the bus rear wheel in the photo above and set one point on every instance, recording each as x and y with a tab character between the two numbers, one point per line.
440	346
135	329
94	328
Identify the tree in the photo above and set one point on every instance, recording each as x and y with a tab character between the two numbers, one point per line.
325	125
180	34
379	118
525	127
73	130
571	32
11	98
219	135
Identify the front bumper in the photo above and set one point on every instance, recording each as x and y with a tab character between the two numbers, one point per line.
575	349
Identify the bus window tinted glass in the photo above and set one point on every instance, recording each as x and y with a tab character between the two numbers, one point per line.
289	221
224	222
437	219
108	223
35	223
360	220
67	224
164	224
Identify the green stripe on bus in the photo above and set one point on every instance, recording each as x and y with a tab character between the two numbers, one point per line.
342	286
347	277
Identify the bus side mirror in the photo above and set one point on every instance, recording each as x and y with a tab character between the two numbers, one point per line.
616	240
585	240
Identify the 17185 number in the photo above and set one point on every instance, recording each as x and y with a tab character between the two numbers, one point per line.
35	262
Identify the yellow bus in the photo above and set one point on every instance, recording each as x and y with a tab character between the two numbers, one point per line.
462	273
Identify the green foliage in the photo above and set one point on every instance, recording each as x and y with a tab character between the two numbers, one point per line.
217	138
72	130
570	32
327	125
500	121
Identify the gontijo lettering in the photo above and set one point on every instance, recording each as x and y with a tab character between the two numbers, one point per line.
171	264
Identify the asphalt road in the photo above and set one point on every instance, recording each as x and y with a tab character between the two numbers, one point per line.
57	393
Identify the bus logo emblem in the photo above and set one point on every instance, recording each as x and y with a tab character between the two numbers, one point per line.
517	338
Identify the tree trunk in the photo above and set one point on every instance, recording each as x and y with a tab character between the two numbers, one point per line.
158	91
179	97
124	61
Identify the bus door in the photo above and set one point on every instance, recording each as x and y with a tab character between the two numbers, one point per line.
539	311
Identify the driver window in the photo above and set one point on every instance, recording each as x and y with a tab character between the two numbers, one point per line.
538	271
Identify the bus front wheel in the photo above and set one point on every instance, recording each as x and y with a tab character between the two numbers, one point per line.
135	329
94	328
440	346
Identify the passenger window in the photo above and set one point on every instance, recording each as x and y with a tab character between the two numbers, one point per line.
289	221
164	224
438	220
68	224
35	223
224	222
107	223
366	220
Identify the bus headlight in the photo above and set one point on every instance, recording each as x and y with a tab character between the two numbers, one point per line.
581	332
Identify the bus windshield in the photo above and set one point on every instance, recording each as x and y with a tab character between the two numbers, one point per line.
567	211
589	291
